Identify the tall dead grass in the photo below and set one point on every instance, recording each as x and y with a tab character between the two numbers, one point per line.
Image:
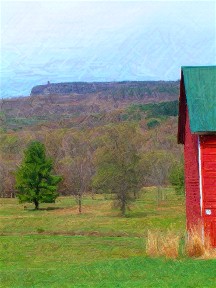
162	244
167	244
198	246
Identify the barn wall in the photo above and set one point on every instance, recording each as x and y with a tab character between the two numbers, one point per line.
191	156
208	157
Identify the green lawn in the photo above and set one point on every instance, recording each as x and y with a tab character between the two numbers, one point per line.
60	248
98	216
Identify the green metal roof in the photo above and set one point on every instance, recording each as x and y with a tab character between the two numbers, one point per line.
200	90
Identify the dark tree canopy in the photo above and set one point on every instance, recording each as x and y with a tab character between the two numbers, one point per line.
34	181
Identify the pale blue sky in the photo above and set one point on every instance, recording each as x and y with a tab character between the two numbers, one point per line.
102	41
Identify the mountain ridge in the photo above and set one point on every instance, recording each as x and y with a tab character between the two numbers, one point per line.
111	87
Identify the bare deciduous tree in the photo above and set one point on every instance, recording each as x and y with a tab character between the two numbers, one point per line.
78	165
116	163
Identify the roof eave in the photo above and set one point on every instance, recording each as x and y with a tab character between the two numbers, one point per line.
182	112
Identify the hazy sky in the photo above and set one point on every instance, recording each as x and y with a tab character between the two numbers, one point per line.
102	41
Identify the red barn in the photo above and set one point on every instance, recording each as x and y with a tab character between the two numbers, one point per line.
197	131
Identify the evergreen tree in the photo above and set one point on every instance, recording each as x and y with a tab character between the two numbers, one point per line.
34	181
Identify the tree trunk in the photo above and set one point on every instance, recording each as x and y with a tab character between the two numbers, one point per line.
93	194
36	204
123	209
135	195
159	196
80	203
123	204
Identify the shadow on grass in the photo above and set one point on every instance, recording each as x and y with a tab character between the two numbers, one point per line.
85	233
43	209
140	214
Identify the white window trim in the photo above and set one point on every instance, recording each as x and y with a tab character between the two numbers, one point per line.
200	176
200	185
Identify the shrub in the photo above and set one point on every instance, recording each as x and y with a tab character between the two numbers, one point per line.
40	230
152	123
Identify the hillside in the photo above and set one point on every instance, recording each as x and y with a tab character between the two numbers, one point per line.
79	99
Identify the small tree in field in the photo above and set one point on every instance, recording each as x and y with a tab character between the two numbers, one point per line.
34	181
78	164
116	162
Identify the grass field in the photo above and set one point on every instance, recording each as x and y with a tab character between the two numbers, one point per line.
57	247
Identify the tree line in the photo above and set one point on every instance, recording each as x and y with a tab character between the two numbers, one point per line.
117	158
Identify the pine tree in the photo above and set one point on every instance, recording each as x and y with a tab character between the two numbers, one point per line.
34	181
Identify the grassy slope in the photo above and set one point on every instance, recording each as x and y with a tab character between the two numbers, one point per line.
97	258
98	216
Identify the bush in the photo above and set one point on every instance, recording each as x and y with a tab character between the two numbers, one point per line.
152	123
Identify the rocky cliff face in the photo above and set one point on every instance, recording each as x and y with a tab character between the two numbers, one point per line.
70	88
116	90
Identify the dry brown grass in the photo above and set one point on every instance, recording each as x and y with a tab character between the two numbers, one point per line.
194	245
152	244
198	246
162	244
167	244
86	209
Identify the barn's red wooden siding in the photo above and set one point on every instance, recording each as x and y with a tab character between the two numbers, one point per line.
192	185
208	157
